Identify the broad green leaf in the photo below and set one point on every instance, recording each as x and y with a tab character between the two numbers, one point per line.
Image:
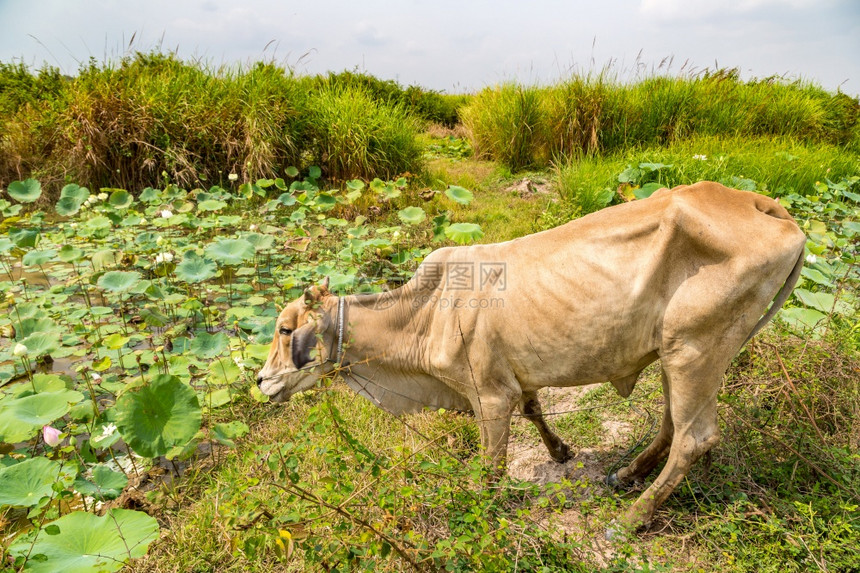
80	542
41	343
120	199
22	417
39	258
27	482
195	269
226	432
412	215
76	192
24	238
314	172
150	195
154	418
105	483
118	281
25	191
208	346
69	254
646	190
211	205
68	206
802	318
230	251
822	301
459	194
463	233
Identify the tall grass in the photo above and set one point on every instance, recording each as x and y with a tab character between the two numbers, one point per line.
152	116
528	126
353	136
506	123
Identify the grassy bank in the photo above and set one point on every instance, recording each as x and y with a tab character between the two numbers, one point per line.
152	118
526	126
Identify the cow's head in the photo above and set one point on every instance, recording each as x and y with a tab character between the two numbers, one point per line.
297	357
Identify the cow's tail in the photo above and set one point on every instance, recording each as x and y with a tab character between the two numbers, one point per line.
780	298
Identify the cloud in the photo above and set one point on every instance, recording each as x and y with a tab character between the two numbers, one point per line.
367	34
699	9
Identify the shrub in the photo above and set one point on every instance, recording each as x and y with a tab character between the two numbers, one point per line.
353	136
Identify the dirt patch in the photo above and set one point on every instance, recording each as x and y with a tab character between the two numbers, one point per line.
528	188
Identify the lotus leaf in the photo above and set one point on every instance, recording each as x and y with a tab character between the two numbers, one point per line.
463	233
39	258
226	432
41	343
25	191
120	199
118	281
81	542
211	205
105	484
412	215
209	346
156	417
24	238
150	195
22	417
26	483
230	251
459	194
69	254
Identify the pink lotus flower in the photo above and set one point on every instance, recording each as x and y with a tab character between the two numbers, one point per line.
51	436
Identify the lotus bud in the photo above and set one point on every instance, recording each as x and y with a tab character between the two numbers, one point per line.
159	240
51	436
20	350
142	222
252	227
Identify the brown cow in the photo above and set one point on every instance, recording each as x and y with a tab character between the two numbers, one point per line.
683	276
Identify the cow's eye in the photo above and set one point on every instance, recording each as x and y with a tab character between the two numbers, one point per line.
285	331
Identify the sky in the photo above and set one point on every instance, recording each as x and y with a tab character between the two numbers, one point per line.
454	46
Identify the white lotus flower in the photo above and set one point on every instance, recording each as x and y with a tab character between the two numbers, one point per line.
107	431
103	196
142	222
20	350
252	227
811	259
232	177
167	213
159	239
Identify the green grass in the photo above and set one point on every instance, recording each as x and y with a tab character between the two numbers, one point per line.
354	137
527	126
776	166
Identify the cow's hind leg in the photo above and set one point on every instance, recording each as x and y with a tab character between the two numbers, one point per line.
693	398
531	410
648	459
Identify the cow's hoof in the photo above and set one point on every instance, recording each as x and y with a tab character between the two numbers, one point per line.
613	482
562	455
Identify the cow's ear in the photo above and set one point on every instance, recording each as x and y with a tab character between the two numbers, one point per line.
324	286
301	344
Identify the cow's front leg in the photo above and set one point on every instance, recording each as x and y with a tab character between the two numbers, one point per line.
530	407
493	413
